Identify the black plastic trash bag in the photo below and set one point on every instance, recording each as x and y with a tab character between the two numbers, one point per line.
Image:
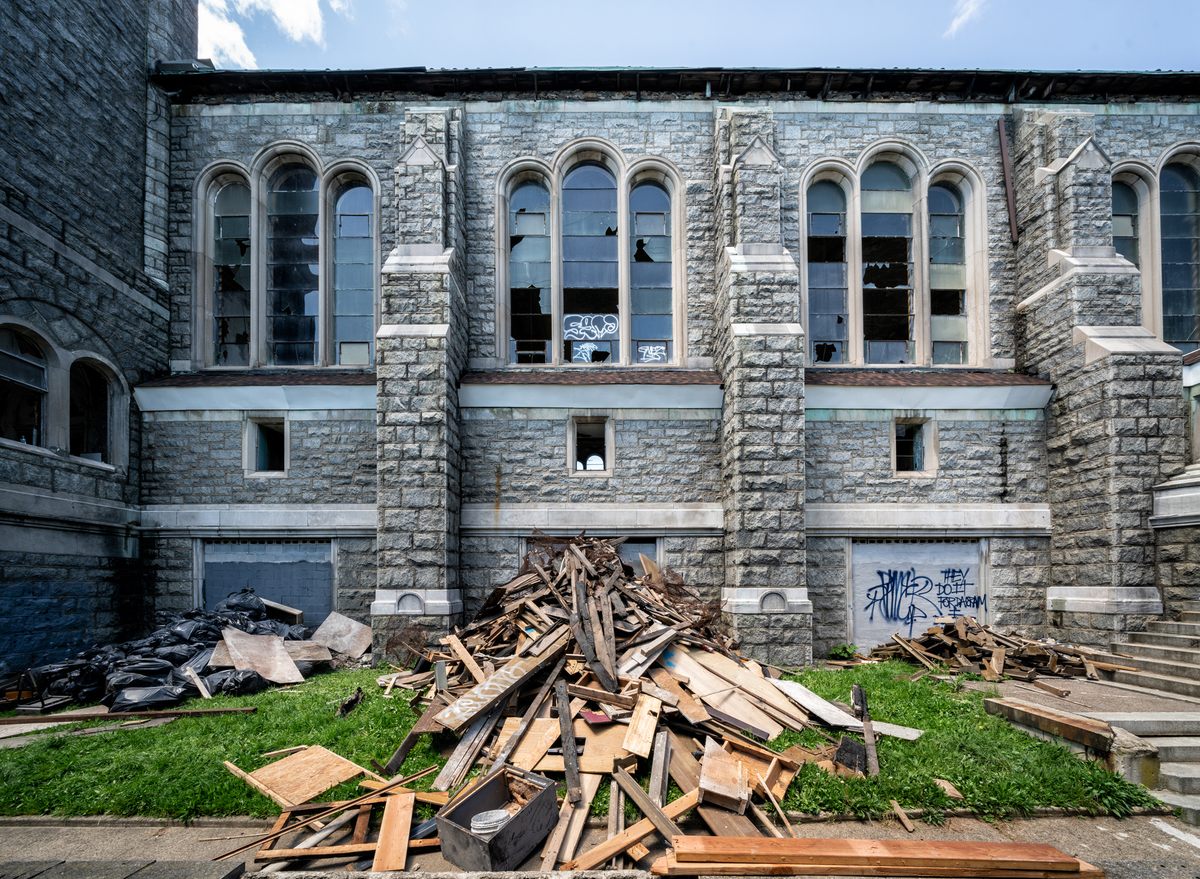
198	662
123	680
245	602
151	666
197	631
177	654
147	699
235	682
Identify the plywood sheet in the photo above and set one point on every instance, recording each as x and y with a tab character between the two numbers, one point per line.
264	654
300	777
344	635
601	746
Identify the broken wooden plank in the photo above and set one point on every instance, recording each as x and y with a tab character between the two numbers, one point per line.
639	738
264	654
343	635
1086	731
468	749
632	835
603	696
667	865
685	772
485	695
813	704
567	735
660	767
589	786
392	849
723	780
902	817
692	711
662	823
468	661
859	698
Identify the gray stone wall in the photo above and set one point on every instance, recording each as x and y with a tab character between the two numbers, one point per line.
487	562
170	571
55	605
354	577
699	560
826	580
520	456
1018	577
990	457
1177	563
332	461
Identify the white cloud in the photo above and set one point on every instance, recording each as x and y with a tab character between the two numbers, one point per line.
221	38
965	11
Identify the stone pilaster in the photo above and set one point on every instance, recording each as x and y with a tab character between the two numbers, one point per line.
1116	423
760	354
420	355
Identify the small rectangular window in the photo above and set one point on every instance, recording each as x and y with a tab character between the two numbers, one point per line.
266	447
590	447
913	447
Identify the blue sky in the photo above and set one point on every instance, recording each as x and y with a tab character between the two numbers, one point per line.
1008	34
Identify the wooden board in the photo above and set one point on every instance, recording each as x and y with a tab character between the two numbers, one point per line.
300	777
589	785
343	635
484	696
691	709
468	661
723	780
716	691
876	852
753	685
639	738
1094	734
602	745
826	711
391	852
685	772
299	651
669	866
632	835
542	734
264	654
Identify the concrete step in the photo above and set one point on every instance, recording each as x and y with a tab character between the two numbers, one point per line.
1186	605
1183	778
1176	749
1168	667
1165	683
1161	652
1167	627
1152	723
1188	805
1163	639
1189	616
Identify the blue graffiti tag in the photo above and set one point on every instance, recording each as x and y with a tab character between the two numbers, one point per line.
904	598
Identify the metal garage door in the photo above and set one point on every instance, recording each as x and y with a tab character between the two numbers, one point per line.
297	573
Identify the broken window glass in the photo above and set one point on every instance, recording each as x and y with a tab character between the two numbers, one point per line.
828	319
1125	220
650	274
591	312
23	383
293	266
530	323
89	412
887	296
910	447
1180	201
947	275
591	453
354	276
231	273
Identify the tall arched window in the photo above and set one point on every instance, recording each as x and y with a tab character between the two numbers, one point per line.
1125	220
947	275
1179	195
90	405
887	257
530	325
353	275
651	292
23	386
231	275
591	318
828	317
293	266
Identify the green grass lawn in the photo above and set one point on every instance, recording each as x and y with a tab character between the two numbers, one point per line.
175	771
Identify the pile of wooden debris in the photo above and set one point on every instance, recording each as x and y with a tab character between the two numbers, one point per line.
962	644
578	670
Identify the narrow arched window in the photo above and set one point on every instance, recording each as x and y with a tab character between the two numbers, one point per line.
650	269
828	318
293	266
354	275
23	384
1180	200
947	275
231	275
89	412
531	314
887	279
591	317
1125	220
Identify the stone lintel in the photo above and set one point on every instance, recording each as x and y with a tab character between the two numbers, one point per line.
1177	501
1101	342
418	258
433	331
1104	599
765	599
752	257
772	329
928	520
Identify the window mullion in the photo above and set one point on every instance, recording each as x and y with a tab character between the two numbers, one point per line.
854	270
258	273
922	315
556	274
624	299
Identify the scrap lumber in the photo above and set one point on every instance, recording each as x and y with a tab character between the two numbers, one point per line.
1086	731
902	817
589	786
80	716
343	635
299	777
391	852
661	821
567	736
685	772
639	738
826	711
632	835
264	654
859	698
723	780
668	866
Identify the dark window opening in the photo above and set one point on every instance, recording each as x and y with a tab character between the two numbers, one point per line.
530	326
828	319
591	323
887	296
1179	198
591	453
22	389
231	276
293	266
269	446
1125	221
910	447
89	413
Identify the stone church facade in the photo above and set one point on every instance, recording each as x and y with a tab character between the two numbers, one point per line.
847	349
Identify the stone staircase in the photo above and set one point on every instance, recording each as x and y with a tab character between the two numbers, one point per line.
1167	655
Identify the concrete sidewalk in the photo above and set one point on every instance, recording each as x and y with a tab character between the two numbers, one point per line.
1134	848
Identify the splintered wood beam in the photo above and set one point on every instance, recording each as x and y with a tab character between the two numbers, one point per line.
665	826
566	728
392	850
468	661
632	835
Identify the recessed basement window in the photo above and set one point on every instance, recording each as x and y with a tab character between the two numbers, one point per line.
266	447
914	447
590	446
